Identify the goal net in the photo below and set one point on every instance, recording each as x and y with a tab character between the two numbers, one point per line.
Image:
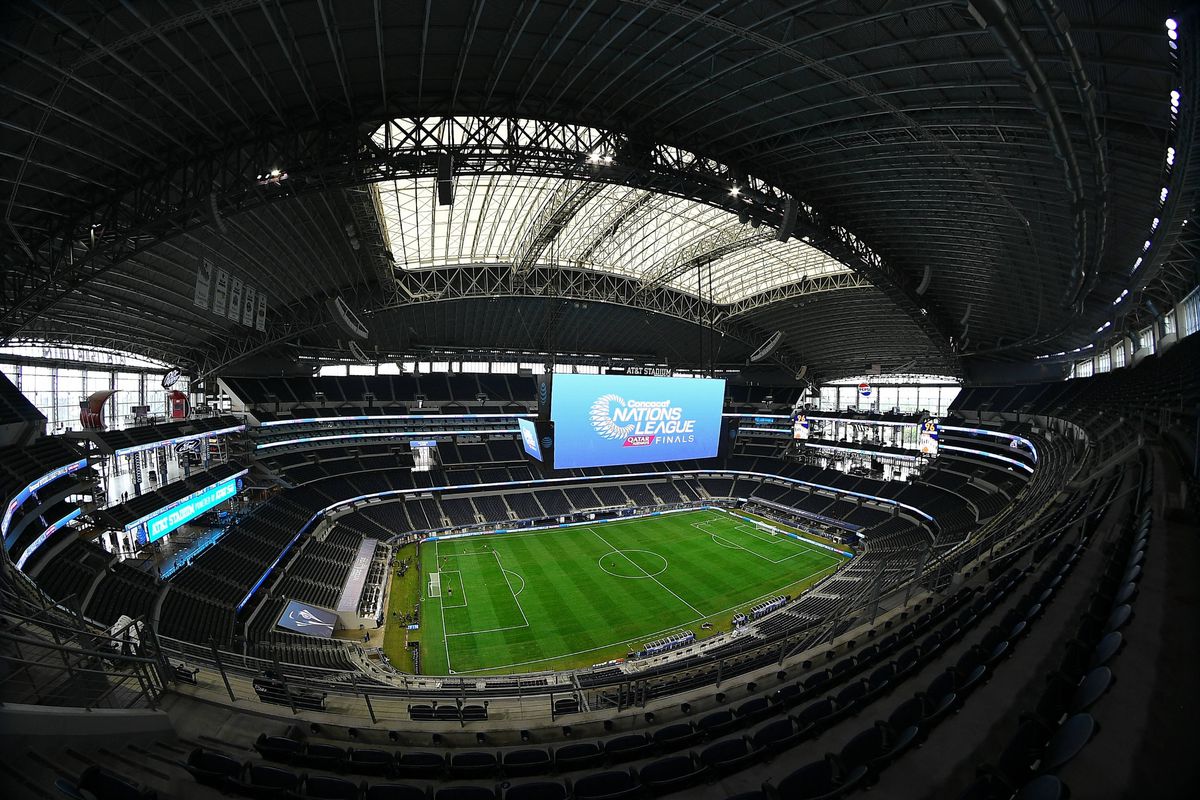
435	584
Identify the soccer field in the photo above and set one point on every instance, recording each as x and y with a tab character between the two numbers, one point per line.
576	596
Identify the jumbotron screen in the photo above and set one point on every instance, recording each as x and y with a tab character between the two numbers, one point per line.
604	420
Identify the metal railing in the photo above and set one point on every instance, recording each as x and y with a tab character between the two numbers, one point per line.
52	656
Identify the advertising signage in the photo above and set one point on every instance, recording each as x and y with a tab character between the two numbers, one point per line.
529	438
309	620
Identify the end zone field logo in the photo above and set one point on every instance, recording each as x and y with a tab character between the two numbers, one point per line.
640	422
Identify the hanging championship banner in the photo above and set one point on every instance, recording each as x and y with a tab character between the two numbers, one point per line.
221	295
260	317
204	277
248	306
235	299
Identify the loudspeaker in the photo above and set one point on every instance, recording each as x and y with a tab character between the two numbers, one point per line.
358	354
788	225
345	319
924	286
218	220
445	179
768	347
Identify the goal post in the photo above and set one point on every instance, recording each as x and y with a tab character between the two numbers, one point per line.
435	584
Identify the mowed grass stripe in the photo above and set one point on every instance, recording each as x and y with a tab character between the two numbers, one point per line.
577	613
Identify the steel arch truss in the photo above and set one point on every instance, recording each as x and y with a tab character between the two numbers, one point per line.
550	281
564	282
106	230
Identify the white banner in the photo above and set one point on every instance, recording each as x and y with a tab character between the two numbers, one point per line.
248	306
260	318
204	278
235	299
221	294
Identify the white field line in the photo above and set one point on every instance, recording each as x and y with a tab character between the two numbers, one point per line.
647	574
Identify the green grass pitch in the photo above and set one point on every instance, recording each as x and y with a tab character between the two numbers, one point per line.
571	597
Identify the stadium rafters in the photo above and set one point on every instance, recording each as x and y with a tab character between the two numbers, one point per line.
1005	158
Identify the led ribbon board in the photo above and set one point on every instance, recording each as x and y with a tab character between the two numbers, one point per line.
38	542
161	524
25	493
1012	439
605	420
125	451
385	435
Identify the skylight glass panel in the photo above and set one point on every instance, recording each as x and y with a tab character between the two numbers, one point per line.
654	238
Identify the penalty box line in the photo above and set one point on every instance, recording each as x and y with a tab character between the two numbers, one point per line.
719	538
806	547
508	583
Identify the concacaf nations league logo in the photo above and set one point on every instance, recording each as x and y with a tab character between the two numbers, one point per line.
602	417
640	422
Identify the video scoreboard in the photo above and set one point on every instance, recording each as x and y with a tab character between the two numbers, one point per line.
607	420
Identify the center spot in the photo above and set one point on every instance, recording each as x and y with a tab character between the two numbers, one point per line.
633	563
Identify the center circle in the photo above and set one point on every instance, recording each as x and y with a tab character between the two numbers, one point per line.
633	563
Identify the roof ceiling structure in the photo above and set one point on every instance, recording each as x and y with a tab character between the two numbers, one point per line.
960	183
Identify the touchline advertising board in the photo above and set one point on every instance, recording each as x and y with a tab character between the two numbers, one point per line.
604	420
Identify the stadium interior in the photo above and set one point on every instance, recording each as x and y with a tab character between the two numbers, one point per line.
598	399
